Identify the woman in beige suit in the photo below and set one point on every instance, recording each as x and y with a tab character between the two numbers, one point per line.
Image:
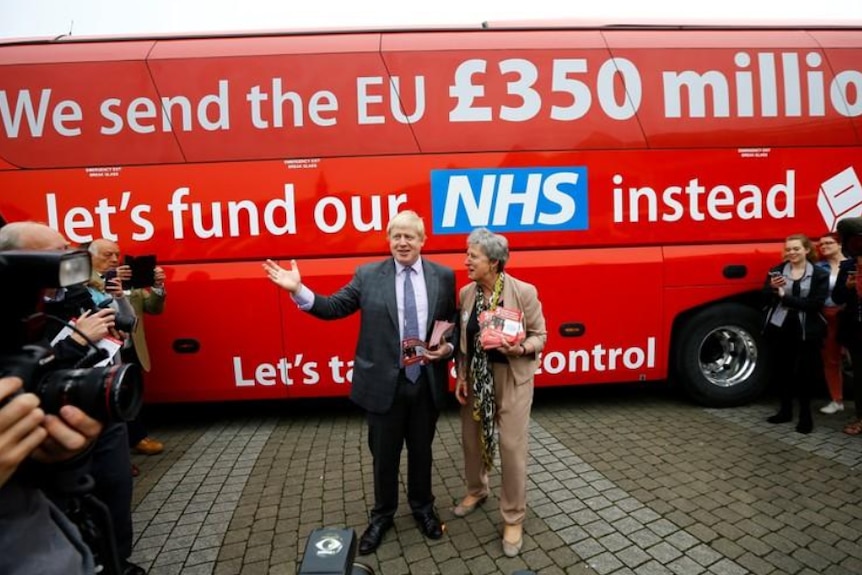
495	386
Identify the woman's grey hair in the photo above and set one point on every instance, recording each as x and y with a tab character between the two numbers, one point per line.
494	246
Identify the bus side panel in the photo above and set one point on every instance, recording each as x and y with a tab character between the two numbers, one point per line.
219	328
604	293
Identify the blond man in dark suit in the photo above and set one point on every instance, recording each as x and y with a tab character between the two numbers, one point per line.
399	409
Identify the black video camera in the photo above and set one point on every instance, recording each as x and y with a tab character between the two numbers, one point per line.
105	393
850	232
110	393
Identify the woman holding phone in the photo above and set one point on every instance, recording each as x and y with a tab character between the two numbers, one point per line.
796	290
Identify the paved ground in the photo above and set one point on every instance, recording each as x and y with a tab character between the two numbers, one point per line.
621	480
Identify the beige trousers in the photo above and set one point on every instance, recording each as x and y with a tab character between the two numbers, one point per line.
513	422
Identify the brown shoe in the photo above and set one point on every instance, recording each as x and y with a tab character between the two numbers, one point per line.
149	446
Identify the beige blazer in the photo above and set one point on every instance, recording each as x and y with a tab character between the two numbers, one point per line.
519	295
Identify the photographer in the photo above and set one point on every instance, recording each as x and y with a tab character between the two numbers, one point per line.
35	536
110	456
107	277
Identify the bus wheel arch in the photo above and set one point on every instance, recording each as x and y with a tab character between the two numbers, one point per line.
720	356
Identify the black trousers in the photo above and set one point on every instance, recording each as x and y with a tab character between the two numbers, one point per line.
799	366
412	420
111	470
855	349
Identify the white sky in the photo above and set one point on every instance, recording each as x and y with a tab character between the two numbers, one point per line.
28	18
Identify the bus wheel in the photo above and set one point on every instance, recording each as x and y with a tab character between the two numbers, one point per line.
720	357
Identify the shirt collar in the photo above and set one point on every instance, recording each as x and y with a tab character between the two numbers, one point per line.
417	265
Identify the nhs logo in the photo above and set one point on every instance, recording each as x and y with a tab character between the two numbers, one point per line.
509	200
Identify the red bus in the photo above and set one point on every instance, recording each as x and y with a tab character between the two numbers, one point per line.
644	175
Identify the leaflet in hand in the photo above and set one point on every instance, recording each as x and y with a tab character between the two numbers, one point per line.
500	324
413	349
109	344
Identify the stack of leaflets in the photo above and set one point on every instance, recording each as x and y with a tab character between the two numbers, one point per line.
413	349
500	324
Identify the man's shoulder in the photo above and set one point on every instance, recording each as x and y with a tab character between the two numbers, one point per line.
438	268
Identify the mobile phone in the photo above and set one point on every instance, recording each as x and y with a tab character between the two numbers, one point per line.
774	274
110	275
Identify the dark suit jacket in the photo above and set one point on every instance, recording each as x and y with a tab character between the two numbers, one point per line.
378	351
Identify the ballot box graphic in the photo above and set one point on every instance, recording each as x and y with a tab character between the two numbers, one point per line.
840	197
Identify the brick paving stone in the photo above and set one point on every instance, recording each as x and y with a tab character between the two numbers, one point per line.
611	482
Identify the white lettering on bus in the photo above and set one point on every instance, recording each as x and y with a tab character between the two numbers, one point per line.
284	372
322	107
279	216
737	99
498	191
365	99
722	202
523	79
65	111
141	113
331	213
599	358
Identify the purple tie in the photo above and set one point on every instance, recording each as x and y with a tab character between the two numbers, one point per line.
411	322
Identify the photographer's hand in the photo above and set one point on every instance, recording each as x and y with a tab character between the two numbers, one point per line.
94	325
114	287
68	435
124	273
20	429
159	278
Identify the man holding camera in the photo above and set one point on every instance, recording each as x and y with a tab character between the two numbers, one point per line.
105	255
35	536
109	458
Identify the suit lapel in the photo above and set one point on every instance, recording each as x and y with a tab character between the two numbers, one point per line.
387	281
432	290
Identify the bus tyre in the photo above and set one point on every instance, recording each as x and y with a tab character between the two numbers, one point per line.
721	355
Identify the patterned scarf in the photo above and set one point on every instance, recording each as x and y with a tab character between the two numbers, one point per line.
484	400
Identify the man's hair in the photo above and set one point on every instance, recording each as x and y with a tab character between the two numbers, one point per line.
407	219
10	237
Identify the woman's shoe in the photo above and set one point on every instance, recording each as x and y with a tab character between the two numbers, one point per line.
464	509
513	540
832	407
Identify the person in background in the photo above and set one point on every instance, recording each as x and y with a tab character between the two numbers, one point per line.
832	353
795	327
848	292
109	457
399	298
495	386
106	256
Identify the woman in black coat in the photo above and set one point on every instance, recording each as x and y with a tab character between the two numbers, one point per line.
848	288
795	327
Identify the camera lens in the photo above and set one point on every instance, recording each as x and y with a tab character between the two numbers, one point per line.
110	393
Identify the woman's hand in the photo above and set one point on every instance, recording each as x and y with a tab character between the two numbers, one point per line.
461	391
